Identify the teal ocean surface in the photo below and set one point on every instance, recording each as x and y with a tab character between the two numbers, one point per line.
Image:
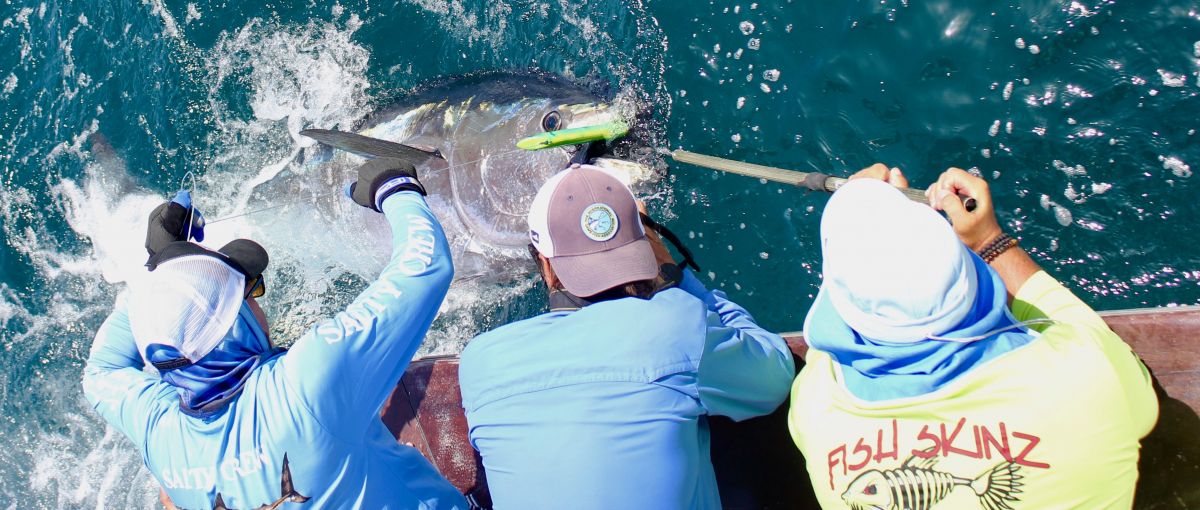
1082	114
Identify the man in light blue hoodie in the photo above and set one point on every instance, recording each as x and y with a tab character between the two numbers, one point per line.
232	422
602	402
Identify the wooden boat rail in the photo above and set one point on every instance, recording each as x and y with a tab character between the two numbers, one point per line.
757	465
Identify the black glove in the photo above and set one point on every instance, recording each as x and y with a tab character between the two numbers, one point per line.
169	223
379	178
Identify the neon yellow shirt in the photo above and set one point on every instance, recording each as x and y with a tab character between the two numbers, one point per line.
1054	424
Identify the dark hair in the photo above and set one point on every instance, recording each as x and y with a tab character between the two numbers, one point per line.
642	289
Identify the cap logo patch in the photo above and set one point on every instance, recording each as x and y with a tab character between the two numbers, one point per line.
599	222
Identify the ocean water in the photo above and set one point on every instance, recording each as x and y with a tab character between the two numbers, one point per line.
1083	115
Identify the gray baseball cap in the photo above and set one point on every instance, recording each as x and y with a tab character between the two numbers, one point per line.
585	220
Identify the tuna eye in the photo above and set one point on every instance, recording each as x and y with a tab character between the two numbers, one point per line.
552	121
870	490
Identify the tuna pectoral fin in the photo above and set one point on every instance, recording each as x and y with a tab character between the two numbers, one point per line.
368	147
998	486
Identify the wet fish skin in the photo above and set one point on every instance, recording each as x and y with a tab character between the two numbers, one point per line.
481	187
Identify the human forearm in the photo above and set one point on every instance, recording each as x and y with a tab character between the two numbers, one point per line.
978	228
113	347
745	370
744	373
347	365
1015	267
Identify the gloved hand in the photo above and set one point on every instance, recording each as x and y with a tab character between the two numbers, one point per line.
169	223
381	177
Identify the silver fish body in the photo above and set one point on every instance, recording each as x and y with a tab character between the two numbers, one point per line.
483	185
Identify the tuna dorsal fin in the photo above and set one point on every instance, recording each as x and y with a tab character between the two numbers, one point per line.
368	147
919	462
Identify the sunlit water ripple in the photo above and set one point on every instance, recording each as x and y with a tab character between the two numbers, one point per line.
1081	114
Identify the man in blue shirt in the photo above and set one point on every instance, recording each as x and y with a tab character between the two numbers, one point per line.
602	402
232	422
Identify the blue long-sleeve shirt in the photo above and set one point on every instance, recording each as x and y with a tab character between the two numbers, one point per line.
604	407
318	404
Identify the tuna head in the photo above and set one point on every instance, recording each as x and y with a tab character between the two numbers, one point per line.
482	187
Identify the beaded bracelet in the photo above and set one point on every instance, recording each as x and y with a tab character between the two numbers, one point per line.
998	245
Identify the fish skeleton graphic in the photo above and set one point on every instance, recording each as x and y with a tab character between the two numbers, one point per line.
287	492
916	485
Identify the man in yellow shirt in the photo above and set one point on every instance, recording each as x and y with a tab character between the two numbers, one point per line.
925	390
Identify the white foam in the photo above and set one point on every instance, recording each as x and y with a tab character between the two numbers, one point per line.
746	27
112	219
311	76
1070	171
170	27
1176	166
193	14
1063	215
1170	79
90	465
771	75
1073	195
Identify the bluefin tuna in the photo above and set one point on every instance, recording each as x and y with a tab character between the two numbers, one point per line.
480	185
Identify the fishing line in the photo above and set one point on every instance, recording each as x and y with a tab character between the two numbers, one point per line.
191	220
256	211
448	167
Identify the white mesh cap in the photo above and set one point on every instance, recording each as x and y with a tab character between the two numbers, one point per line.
188	303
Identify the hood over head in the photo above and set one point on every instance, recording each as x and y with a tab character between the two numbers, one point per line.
904	306
190	320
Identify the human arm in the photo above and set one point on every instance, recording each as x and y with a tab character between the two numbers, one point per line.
1034	294
166	500
978	228
346	366
745	370
114	383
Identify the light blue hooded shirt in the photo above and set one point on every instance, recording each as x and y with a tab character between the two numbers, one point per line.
605	407
317	405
